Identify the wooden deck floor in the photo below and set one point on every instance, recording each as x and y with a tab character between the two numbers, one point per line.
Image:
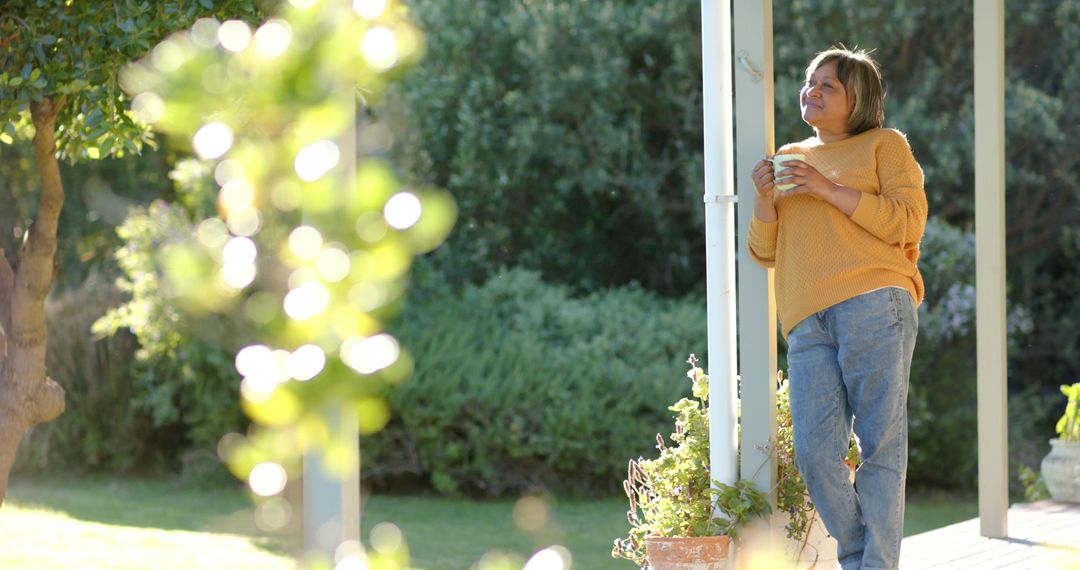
1042	536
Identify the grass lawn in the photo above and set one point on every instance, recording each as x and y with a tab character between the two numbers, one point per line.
125	524
102	523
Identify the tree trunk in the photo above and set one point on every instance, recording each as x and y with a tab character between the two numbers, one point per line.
27	396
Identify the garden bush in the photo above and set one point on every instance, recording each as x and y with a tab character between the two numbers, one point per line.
101	427
520	386
183	370
943	398
570	126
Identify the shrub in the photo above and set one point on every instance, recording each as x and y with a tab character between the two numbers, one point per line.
571	126
184	376
520	386
101	428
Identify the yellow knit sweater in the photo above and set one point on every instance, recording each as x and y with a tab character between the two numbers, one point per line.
822	256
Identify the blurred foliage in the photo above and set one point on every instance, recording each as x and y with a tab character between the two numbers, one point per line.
521	386
569	132
308	246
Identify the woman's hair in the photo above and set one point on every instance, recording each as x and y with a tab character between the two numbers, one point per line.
861	77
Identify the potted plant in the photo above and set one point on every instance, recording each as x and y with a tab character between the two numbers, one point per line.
1061	467
672	497
674	503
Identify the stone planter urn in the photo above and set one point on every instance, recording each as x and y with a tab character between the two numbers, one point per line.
676	553
1061	470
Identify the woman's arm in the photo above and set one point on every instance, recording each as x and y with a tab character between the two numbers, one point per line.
897	215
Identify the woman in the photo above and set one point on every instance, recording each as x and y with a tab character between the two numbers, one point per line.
845	242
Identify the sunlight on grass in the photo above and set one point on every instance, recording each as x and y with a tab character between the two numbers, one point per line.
39	538
120	524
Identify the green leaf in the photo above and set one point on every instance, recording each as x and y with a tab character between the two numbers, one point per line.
48	39
35	74
94	117
207	4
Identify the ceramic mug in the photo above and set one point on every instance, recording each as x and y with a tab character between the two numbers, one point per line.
777	169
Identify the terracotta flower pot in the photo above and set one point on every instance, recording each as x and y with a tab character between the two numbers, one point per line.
699	553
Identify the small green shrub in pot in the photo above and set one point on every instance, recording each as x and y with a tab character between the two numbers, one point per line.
674	495
1068	427
1061	467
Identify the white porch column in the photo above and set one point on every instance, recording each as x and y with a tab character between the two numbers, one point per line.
719	235
331	497
990	266
757	310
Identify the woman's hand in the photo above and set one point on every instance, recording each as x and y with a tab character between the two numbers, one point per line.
808	180
764	178
765	188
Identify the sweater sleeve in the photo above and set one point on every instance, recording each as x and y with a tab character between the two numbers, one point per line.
762	242
897	215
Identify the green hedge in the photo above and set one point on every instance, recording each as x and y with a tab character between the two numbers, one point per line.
559	127
520	386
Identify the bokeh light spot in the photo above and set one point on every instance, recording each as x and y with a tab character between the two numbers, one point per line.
267	479
237	275
234	35
402	210
148	107
380	48
368	355
315	160
369	9
366	296
386	538
306	362
305	242
204	32
273	514
212	140
551	558
531	514
228	170
239	250
333	265
272	39
244	221
237	194
168	56
354	561
306	301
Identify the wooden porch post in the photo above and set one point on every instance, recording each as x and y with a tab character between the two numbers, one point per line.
990	266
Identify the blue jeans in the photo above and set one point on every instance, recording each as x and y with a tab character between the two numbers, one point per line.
853	360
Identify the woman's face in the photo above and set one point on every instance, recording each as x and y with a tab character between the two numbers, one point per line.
825	102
